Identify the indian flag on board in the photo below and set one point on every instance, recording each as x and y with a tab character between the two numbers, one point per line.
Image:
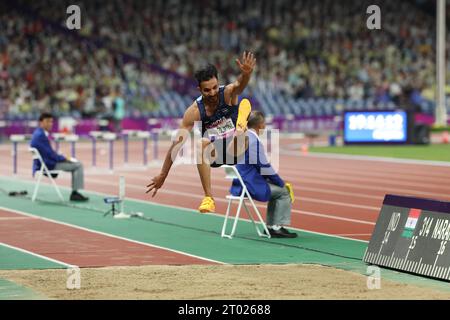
411	223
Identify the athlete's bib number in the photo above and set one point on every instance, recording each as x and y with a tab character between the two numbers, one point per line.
223	130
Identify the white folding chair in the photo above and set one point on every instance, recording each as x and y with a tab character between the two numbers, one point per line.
43	171
233	173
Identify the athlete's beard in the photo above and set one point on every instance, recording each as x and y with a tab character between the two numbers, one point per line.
212	99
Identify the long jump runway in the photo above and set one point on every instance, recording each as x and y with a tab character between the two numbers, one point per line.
337	204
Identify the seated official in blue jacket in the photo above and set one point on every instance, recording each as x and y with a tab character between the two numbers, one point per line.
262	182
55	161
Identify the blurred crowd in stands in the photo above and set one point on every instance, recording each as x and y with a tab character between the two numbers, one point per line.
125	50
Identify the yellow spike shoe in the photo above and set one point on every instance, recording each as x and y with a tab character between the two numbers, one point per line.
207	205
245	108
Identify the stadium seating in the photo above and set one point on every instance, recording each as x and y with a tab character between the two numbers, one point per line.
311	70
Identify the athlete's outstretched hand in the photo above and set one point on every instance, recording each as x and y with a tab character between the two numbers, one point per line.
156	183
248	62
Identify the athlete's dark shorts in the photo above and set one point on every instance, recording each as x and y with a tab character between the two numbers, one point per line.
221	158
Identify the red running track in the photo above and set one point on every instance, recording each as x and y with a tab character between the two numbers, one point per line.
334	196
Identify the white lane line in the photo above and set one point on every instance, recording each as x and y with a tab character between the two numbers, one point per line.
317	179
353	234
369	158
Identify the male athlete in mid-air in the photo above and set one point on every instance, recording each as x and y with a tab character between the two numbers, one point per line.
222	119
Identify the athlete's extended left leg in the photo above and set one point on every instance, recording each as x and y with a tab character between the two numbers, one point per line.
204	170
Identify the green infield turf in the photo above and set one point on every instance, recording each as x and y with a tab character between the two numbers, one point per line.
436	152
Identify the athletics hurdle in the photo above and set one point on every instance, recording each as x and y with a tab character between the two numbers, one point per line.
137	135
72	138
16	139
2	129
109	137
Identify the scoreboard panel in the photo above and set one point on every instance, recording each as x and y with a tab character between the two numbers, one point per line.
412	235
375	127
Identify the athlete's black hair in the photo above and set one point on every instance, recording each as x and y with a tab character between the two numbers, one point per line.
206	73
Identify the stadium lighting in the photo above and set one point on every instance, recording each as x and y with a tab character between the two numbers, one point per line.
441	110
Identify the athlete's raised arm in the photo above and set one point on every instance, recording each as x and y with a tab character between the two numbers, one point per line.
233	90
